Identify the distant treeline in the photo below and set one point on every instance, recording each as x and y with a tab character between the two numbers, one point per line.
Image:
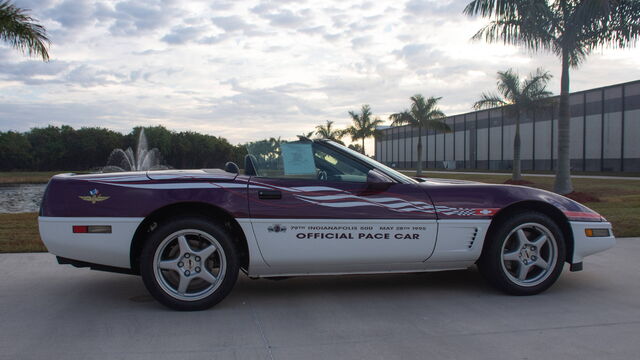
65	148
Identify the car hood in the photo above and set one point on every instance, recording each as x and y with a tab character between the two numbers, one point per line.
495	197
438	181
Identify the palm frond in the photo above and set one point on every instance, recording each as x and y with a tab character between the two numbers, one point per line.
328	132
363	126
535	86
23	32
488	8
401	118
509	84
489	100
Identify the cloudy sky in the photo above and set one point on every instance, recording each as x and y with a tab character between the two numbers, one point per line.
252	69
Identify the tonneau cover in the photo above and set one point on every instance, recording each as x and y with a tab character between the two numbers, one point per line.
192	175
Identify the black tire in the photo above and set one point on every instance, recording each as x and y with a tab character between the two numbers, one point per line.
507	256
165	264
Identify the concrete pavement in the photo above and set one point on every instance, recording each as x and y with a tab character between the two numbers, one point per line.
59	312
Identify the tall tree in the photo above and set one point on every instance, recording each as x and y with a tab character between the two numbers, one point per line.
22	31
328	132
307	135
519	97
424	113
363	125
571	29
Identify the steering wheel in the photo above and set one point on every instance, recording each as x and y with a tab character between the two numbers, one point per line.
322	175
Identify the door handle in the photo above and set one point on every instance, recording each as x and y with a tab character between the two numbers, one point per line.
269	194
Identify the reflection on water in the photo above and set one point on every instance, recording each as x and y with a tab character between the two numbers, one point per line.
21	197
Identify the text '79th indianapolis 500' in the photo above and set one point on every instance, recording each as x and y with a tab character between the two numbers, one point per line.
310	207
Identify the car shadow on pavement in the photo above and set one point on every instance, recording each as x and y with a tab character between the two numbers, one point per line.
129	291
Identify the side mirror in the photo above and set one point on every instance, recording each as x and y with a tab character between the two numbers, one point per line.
378	181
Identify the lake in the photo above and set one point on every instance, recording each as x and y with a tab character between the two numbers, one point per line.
17	198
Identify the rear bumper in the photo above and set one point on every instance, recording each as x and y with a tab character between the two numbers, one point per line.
104	249
584	245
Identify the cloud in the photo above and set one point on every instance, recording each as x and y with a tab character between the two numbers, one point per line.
419	56
230	23
32	72
286	18
135	17
361	42
183	34
434	7
72	14
248	70
313	30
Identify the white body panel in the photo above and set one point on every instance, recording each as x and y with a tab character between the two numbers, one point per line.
328	242
459	244
459	240
583	245
104	249
282	253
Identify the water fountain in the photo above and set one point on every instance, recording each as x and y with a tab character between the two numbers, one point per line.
142	159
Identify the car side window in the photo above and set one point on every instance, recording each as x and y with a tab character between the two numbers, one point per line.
304	160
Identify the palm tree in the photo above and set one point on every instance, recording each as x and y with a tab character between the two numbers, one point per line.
423	114
356	147
363	126
307	135
22	31
571	29
519	97
329	132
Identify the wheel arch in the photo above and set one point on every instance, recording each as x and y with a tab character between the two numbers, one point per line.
196	209
540	206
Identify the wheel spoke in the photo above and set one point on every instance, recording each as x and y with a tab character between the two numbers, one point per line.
207	276
184	284
541	263
522	238
523	270
169	265
184	245
539	241
206	252
512	256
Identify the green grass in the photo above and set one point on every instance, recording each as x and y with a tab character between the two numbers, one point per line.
620	204
22	177
19	233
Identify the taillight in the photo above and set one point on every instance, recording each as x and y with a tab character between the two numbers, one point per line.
92	229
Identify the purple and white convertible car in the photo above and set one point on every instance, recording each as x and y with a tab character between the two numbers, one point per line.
310	207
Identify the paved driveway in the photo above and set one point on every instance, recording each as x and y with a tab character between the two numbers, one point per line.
49	311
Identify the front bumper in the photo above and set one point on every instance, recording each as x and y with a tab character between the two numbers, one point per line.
584	245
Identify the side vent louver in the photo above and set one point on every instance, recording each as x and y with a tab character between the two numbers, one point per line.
474	235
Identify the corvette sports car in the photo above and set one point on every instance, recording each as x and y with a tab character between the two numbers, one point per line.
309	207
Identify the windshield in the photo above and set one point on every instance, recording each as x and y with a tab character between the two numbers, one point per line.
304	159
387	170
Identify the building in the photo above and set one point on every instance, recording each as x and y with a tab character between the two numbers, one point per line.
605	136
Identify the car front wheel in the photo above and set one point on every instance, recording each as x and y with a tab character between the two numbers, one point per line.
525	254
189	264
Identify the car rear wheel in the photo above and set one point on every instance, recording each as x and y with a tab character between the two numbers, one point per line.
524	254
189	264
